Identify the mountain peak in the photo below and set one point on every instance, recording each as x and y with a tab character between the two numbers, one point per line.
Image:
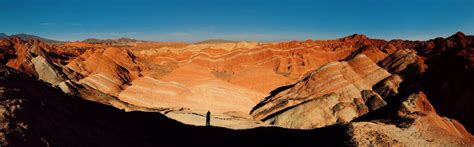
356	37
458	35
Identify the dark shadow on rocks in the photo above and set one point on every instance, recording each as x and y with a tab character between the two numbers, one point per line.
272	93
40	115
390	111
449	79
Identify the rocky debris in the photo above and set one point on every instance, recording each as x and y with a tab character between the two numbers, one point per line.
422	126
346	79
372	100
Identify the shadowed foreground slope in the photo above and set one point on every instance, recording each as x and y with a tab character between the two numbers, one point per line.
36	114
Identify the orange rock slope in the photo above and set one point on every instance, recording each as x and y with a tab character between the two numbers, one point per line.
345	79
295	84
218	77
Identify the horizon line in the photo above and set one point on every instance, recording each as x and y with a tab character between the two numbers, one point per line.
236	40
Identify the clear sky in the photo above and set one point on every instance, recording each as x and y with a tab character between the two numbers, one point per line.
262	20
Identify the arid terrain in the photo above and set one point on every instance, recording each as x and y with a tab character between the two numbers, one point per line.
353	90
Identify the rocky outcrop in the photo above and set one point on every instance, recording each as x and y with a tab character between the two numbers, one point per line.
316	113
345	79
399	60
47	71
417	124
372	100
388	87
106	70
17	55
25	55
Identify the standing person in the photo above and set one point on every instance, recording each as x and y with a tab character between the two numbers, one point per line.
208	118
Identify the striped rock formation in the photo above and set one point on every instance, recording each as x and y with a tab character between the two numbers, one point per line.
384	84
234	77
343	80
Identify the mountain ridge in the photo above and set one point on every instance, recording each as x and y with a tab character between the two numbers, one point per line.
27	37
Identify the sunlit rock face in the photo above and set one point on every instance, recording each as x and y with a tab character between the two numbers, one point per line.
345	80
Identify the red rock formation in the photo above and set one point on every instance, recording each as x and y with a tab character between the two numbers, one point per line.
106	69
345	79
335	81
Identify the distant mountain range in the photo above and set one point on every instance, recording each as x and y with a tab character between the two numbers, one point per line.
213	41
118	41
122	40
23	36
3	35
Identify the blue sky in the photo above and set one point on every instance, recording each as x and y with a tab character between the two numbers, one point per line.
262	20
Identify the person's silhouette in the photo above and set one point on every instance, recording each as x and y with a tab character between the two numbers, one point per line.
208	118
